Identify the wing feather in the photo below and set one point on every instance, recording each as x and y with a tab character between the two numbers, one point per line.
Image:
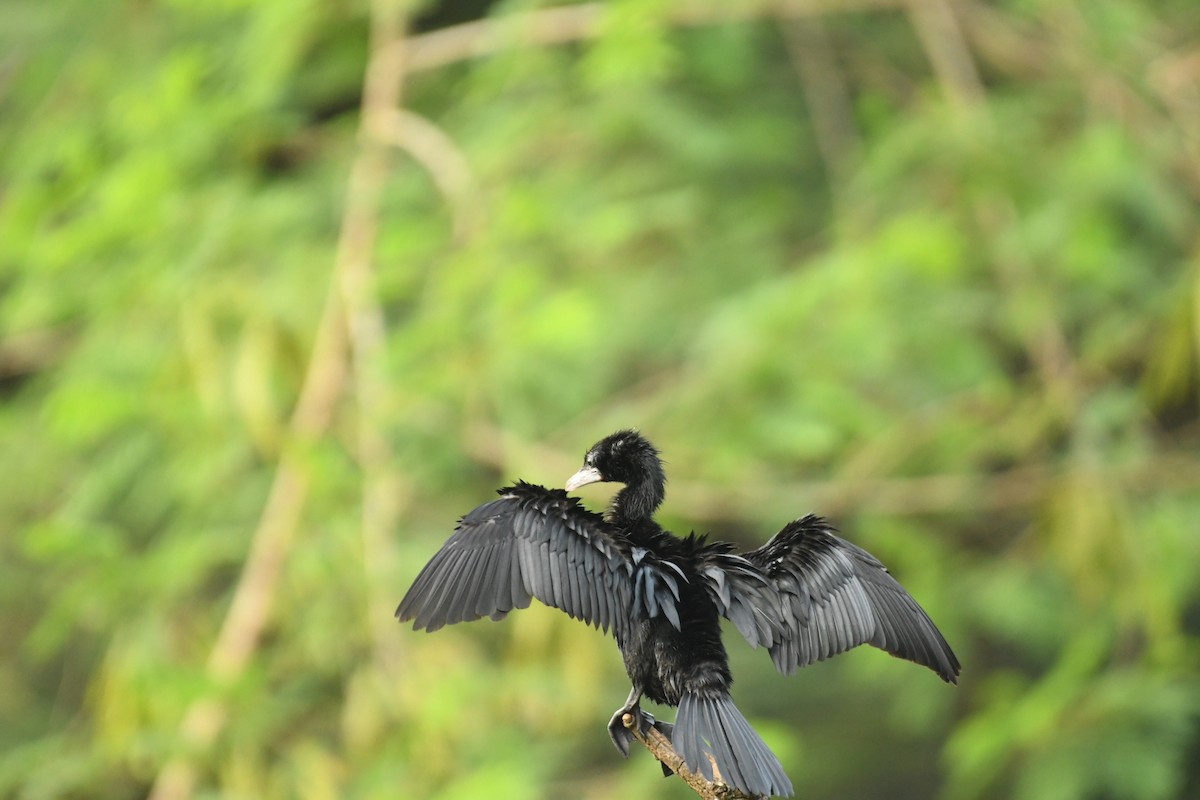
808	595
540	543
739	591
833	595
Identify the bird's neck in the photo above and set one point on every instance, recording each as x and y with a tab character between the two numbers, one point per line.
637	502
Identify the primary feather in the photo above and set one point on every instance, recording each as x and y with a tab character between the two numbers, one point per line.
537	542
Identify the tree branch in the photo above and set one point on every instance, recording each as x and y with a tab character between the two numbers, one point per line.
661	748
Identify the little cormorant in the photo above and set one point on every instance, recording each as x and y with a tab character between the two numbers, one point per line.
805	595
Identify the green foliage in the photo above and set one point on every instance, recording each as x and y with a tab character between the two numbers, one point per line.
971	338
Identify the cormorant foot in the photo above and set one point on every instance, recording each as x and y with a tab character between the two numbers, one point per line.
620	734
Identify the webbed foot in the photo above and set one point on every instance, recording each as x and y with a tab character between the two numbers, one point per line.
621	735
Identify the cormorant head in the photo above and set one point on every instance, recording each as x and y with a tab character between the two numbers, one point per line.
622	457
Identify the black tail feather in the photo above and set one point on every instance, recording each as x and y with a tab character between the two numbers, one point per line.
711	729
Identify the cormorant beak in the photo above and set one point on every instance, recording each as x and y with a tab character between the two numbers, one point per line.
583	478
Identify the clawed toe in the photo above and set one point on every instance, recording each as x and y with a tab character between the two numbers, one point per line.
620	735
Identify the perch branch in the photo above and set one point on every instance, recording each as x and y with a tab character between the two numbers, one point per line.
660	747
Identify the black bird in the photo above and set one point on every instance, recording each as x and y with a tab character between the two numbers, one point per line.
805	595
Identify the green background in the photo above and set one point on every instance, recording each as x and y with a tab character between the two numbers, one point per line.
929	269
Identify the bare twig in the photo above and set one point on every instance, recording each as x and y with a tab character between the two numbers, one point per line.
434	150
660	747
811	50
550	26
1006	41
947	49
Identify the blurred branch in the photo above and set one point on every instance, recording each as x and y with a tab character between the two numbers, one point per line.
925	494
1044	339
350	324
643	399
247	615
808	44
1008	42
1017	487
382	493
947	50
549	26
1175	78
811	51
434	150
31	351
660	747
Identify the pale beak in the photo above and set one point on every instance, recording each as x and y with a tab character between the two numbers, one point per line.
583	478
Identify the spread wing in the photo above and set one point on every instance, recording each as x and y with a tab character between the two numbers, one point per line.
739	590
829	596
537	542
